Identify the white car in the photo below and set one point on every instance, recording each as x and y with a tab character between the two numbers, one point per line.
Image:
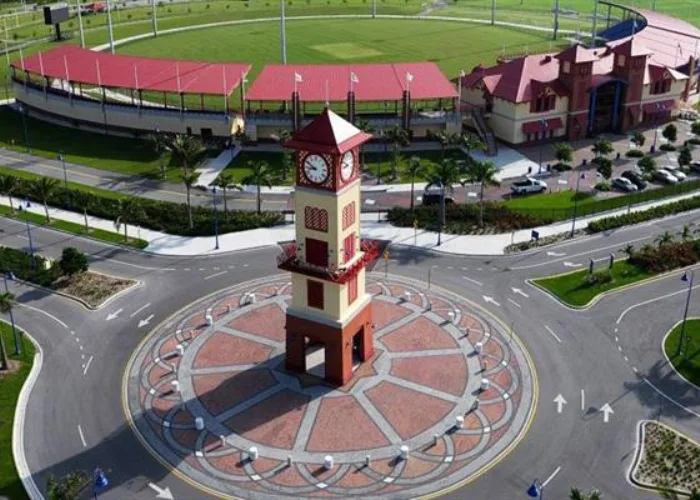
679	175
529	185
665	176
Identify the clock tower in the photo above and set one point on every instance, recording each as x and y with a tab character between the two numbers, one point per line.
330	309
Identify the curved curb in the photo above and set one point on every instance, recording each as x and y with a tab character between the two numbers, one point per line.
20	458
663	350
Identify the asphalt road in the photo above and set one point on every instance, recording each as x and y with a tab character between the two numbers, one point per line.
591	357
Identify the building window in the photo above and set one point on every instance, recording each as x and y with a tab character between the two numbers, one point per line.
349	247
621	60
316	219
348	215
545	103
352	290
314	294
317	252
661	86
566	68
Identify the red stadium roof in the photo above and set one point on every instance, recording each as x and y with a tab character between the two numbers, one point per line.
331	82
69	62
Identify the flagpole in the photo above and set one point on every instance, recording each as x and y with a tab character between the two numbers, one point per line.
110	33
136	80
283	33
223	71
155	19
65	64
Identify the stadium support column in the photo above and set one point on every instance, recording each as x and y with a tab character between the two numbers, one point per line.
283	33
595	22
154	19
351	106
296	111
110	33
406	110
556	20
80	25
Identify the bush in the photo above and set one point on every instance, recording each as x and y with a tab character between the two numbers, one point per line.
657	259
695	127
685	157
600	277
37	270
561	167
647	164
609	223
634	153
73	261
603	186
605	167
670	132
667	147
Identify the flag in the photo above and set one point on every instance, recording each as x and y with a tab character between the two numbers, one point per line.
65	65
354	78
409	77
297	78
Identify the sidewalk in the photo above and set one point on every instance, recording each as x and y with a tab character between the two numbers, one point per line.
212	167
494	244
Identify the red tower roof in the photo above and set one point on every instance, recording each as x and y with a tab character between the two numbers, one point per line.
577	54
329	133
630	48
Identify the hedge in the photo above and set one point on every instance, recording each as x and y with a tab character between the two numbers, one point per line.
667	256
40	271
157	215
608	223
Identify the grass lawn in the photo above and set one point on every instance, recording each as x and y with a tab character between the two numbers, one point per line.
574	290
72	185
10	385
71	227
688	364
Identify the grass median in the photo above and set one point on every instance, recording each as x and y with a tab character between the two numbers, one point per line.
10	386
688	363
577	290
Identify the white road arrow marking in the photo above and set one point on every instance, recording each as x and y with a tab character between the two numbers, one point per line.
146	321
560	401
488	299
555	254
571	264
163	493
518	291
607	411
114	314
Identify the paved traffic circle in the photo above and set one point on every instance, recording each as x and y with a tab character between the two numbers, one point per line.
209	396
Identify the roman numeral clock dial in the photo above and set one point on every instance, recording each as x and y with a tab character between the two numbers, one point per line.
316	169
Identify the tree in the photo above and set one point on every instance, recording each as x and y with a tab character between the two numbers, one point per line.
685	156
414	169
446	173
42	189
602	148
281	137
185	150
670	133
471	142
8	185
6	304
399	138
577	494
225	181
73	261
638	139
482	172
628	250
695	127
445	139
130	211
605	167
365	126
668	494
664	239
260	175
647	164
159	143
67	487
189	178
686	232
563	153
82	200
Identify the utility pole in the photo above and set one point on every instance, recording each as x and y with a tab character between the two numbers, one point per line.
283	33
110	33
155	19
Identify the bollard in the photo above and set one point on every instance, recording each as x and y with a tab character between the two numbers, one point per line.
180	349
251	298
289	460
223	441
228	308
484	384
199	423
436	438
253	453
175	385
478	347
328	462
404	452
368	460
210	320
408	296
451	315
459	422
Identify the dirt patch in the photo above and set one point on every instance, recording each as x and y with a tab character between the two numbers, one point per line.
13	367
91	287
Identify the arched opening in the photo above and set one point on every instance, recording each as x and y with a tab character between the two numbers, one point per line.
605	111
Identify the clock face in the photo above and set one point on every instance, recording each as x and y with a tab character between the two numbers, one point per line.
316	169
348	166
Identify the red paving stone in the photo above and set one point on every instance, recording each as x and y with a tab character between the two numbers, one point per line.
490	393
418	335
471	421
469	321
354	479
289	476
494	412
493	349
185	437
416	467
192	461
221	391
156	376
168	346
444	373
497	435
183	417
384	466
384	313
223	349
502	379
267	321
409	412
157	428
195	321
162	406
230	464
438	449
273	422
343	425
265	464
464	443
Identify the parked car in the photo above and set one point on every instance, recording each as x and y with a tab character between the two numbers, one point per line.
679	174
529	185
432	197
665	177
624	184
695	166
636	178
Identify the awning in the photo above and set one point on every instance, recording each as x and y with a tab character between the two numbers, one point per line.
542	125
659	106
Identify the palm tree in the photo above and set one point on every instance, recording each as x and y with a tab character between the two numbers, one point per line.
225	181
414	169
471	142
577	494
6	304
365	126
602	148
686	232
668	494
82	201
281	137
664	239
445	139
8	185
42	189
159	143
638	139
482	172
628	250
130	211
189	178
563	153
399	138
446	173
186	150
260	174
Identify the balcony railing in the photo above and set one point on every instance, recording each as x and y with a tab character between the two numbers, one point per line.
288	260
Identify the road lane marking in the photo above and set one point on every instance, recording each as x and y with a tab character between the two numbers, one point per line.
553	334
215	275
546	481
137	266
44	312
82	438
650	301
560	402
583	400
139	310
514	303
473	281
87	365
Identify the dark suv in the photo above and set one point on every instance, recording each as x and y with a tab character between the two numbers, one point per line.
636	178
432	197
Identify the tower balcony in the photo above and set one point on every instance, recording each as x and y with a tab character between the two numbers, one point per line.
288	260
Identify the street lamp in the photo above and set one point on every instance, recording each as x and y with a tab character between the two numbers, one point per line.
442	212
573	221
22	110
62	158
689	280
29	231
380	134
100	482
18	350
216	220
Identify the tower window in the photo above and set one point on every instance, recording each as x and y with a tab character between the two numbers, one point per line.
314	294
352	290
566	68
349	247
316	252
348	215
316	219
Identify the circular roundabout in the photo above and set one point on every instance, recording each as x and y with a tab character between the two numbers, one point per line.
207	393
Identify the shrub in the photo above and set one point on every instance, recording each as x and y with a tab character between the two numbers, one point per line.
609	223
603	186
600	277
35	270
685	157
657	259
73	261
647	164
605	167
634	153
561	167
695	127
667	147
670	132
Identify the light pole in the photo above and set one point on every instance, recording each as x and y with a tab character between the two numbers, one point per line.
216	220
543	128
687	304
62	158
22	111
18	349
29	233
155	19
379	157
110	32
283	33
442	212
159	142
573	220
80	24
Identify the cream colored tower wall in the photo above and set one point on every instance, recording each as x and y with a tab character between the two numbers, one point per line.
335	297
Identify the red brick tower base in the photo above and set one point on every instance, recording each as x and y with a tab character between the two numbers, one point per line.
338	344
